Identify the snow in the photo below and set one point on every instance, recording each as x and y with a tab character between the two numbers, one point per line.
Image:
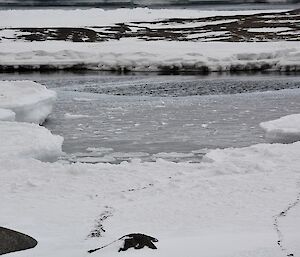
25	140
8	34
229	200
7	115
269	30
30	101
134	53
100	17
154	55
283	130
191	24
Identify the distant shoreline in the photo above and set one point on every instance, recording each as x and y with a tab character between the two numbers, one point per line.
153	4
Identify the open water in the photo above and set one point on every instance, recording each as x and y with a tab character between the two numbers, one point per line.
115	118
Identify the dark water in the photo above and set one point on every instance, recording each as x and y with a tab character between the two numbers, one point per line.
112	118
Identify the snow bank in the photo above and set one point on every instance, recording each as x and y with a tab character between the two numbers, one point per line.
26	140
7	115
135	55
283	130
30	101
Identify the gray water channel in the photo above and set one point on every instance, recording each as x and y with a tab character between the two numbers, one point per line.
115	118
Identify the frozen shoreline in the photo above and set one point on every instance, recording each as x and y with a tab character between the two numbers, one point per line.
171	57
228	199
140	39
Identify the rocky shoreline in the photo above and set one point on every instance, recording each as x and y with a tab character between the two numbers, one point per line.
142	40
235	28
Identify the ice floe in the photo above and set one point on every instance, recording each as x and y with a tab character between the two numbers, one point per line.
24	140
283	130
30	101
7	115
75	116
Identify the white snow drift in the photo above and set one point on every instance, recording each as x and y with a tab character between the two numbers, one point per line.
30	101
283	130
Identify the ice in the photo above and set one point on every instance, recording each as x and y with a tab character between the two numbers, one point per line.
75	116
91	159
269	30
30	101
7	115
227	200
24	140
173	155
283	130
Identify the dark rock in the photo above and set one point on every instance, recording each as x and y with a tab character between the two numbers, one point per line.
12	241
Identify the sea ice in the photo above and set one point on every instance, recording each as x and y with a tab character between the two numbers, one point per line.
24	140
7	115
30	101
283	130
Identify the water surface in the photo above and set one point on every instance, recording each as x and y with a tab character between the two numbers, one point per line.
112	118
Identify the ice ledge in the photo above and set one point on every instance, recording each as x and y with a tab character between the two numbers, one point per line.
30	101
283	130
7	115
27	140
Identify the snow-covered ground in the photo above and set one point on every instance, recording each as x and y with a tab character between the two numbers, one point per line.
223	206
142	39
100	17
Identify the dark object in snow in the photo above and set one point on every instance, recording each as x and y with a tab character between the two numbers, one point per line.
135	240
12	241
138	241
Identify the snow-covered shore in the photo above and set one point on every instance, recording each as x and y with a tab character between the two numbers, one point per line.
151	56
224	206
142	39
